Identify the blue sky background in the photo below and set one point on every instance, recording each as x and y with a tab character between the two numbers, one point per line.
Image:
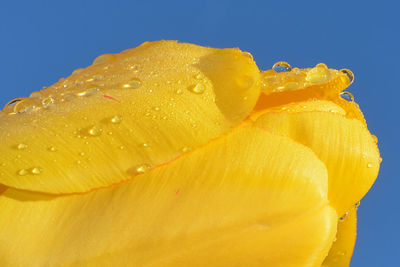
42	41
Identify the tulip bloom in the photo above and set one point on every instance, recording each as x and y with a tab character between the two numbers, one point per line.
172	154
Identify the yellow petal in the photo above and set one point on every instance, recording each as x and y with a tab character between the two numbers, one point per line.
124	114
300	85
342	249
345	146
249	198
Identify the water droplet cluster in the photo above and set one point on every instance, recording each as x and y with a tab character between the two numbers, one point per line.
283	77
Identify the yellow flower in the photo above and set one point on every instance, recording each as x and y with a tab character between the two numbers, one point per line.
172	154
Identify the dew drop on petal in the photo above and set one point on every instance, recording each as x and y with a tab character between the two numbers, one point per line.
22	146
349	74
347	96
89	91
53	149
36	170
322	65
282	66
116	119
95	130
23	172
318	74
142	168
35	95
106	58
344	216
47	102
145	145
23	106
133	84
198	88
248	55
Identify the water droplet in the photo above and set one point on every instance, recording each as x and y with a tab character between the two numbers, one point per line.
141	168
369	165
22	146
248	55
282	66
133	84
102	59
134	68
116	119
35	95
82	154
9	107
322	65
36	170
122	147
179	91
349	74
318	75
23	172
52	149
145	145
357	204
89	91
95	130
347	96
23	106
199	88
344	216
47	102
156	108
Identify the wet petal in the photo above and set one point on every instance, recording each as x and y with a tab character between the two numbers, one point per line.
125	113
342	249
345	146
262	202
298	85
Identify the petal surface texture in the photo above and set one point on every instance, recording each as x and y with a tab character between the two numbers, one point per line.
260	201
124	114
342	249
344	144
